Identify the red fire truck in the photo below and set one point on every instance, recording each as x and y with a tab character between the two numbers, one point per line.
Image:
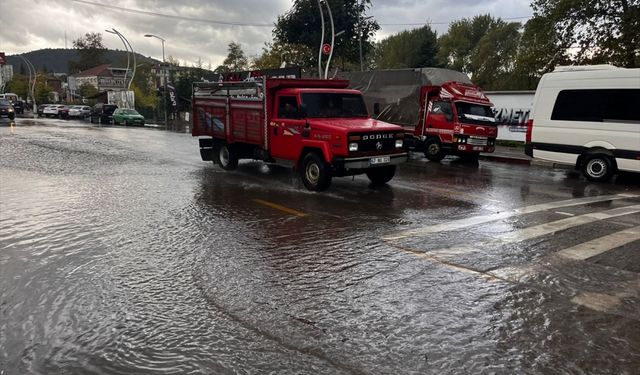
442	112
319	127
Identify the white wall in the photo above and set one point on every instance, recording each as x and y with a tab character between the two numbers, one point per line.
512	110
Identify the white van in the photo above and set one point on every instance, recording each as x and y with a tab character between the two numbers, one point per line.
588	117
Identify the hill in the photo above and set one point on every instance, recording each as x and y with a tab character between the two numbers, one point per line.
57	59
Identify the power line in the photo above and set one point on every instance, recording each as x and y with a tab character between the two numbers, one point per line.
227	23
138	11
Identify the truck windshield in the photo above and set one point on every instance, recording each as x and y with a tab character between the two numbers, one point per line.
334	105
475	113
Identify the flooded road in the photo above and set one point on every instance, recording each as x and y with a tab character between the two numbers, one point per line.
122	252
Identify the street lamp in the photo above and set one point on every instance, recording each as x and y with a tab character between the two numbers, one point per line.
133	74
164	79
33	85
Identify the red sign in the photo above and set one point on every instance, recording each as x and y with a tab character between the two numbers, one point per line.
3	59
326	48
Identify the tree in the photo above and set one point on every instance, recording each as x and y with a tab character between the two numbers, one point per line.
87	90
236	60
90	52
408	49
274	55
302	25
483	47
540	51
603	31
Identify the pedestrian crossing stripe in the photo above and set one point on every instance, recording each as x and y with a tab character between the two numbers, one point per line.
476	220
600	245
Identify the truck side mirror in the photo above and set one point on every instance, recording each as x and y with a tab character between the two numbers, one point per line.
376	109
303	111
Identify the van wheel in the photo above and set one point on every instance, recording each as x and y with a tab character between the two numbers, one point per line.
227	158
315	173
598	168
433	149
381	175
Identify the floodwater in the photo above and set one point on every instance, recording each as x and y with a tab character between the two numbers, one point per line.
121	252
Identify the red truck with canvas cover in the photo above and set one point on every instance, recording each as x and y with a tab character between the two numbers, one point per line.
442	112
319	127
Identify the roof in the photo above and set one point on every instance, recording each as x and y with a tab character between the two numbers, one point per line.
96	71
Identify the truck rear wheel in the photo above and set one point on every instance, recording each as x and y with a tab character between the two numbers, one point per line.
598	168
381	175
315	173
433	149
227	158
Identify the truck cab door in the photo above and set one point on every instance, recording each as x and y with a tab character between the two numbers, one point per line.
286	128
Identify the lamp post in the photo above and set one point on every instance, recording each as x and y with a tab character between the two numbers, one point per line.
128	47
33	85
164	79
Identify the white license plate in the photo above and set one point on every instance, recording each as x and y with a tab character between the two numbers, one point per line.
478	148
380	160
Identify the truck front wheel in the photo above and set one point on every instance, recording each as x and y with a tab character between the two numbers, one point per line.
315	173
433	149
381	175
228	159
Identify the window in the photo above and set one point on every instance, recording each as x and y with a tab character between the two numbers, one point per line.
326	105
598	105
443	108
288	107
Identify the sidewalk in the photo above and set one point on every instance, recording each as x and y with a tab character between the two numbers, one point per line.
508	155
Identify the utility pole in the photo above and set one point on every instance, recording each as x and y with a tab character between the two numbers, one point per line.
164	78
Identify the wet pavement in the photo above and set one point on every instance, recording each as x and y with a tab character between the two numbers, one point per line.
122	252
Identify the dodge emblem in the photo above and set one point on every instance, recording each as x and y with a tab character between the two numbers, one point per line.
379	145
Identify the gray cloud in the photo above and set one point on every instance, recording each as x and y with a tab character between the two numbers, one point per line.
33	24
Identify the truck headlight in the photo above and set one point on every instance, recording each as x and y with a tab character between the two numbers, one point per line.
353	147
399	143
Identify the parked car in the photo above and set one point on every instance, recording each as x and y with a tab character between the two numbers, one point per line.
18	106
102	113
79	111
56	110
41	108
6	109
127	116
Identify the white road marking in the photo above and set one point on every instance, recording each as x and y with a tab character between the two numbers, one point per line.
600	245
564	213
475	220
558	225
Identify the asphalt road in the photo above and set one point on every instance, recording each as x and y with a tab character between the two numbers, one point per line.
122	252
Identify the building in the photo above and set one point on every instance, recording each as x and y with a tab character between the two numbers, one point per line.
6	75
103	77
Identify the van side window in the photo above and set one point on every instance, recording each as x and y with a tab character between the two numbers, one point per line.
598	105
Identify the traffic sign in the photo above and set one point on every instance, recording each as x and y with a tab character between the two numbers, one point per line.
326	48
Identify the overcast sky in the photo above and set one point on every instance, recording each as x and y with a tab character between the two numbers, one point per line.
27	25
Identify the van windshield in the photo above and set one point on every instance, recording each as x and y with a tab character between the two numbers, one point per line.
326	105
470	113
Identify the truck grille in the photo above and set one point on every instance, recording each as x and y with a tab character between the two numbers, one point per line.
477	141
374	142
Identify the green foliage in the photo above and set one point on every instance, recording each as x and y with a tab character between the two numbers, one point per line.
90	52
275	54
19	85
302	25
483	47
236	60
602	31
408	49
87	90
539	52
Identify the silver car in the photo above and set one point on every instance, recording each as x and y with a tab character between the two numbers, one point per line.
79	111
